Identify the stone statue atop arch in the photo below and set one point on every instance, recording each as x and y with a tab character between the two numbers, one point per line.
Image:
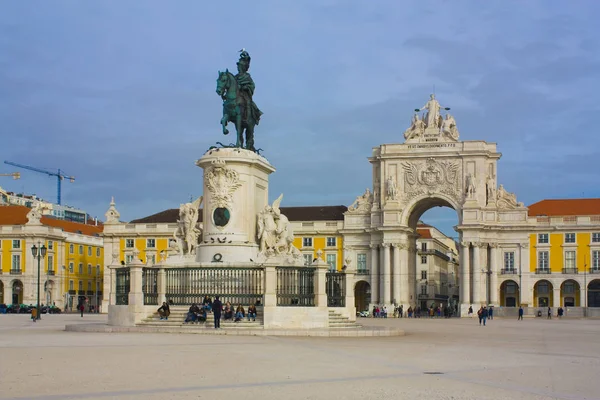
432	126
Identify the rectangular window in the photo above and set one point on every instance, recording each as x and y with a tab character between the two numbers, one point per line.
80	285
509	260
71	268
361	262
98	286
71	287
129	243
308	259
307	242
543	260
151	259
71	249
81	249
569	238
423	259
424	246
569	287
50	263
331	260
98	252
423	289
570	259
128	258
16	244
16	262
89	269
89	251
542	238
89	286
50	245
423	274
80	269
596	237
331	242
150	243
97	270
596	259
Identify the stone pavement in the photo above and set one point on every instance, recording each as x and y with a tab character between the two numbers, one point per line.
436	359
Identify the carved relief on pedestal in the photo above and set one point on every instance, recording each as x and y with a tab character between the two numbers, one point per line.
274	233
431	177
391	188
34	216
506	200
222	182
362	204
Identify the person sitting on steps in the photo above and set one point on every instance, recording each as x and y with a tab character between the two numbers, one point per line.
252	312
192	315
239	313
228	311
164	311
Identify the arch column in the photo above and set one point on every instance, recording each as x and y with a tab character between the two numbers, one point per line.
374	275
396	275
478	273
386	277
404	285
494	289
465	275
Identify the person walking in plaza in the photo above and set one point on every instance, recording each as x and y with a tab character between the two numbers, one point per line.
400	311
470	313
217	306
520	313
480	314
34	314
560	312
549	313
81	308
484	314
491	312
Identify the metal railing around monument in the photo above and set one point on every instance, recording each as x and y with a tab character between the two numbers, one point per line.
335	285
243	285
150	286
295	286
122	288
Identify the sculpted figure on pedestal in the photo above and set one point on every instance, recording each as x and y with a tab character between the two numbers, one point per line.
449	127
506	199
490	189
432	118
392	189
275	235
362	203
416	129
34	216
188	230
470	186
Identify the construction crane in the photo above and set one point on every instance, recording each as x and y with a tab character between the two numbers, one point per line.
59	175
15	175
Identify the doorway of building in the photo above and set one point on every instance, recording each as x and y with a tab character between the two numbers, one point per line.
362	295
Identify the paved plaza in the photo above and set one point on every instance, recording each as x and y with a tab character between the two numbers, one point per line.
437	359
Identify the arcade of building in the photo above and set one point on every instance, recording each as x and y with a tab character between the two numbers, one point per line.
544	255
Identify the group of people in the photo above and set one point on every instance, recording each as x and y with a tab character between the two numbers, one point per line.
483	314
197	313
433	311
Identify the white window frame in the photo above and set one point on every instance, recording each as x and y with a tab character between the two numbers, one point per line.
150	259
50	245
308	258
128	259
18	244
80	285
331	260
50	264
98	252
547	237
16	266
509	260
98	270
424	259
128	241
570	263
567	235
148	246
71	268
595	237
333	240
89	251
596	259
361	262
543	260
307	242
71	285
89	286
81	249
424	275
71	248
89	269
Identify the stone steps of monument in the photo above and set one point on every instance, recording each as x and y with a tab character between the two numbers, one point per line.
178	315
338	321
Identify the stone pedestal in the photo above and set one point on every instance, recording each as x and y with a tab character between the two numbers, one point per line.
236	189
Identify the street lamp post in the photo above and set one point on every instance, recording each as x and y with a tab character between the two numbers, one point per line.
585	294
38	252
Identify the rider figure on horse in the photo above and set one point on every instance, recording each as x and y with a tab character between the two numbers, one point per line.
246	84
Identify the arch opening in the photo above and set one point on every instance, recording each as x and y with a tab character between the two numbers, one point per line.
1	292
543	294
17	292
362	295
593	293
509	294
569	294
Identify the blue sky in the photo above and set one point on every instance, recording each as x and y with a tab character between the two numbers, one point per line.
121	94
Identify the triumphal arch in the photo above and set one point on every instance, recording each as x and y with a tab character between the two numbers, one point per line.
434	168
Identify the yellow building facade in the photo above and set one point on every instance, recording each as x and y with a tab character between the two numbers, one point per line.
70	272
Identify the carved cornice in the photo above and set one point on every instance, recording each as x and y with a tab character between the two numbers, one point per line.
385	245
465	244
524	245
373	246
493	245
401	246
483	245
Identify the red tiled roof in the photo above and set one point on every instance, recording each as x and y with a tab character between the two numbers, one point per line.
565	207
315	213
17	215
424	233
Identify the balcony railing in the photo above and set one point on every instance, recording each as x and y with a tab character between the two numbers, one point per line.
594	270
51	272
434	252
423	296
508	271
569	271
16	271
362	272
542	271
